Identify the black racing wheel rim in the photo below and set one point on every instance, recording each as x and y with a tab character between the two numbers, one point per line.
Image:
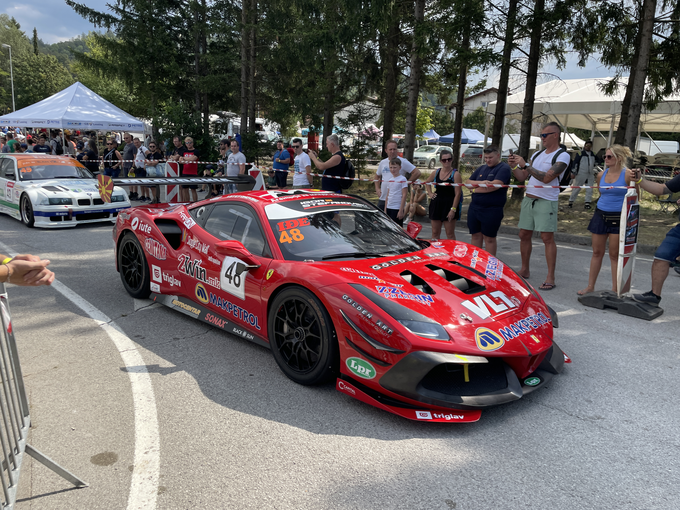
26	210
132	264
299	334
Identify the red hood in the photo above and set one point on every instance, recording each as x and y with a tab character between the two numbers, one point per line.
484	306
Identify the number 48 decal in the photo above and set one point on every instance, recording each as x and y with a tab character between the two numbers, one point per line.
291	235
233	277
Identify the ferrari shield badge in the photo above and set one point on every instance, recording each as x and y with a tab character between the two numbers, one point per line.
105	187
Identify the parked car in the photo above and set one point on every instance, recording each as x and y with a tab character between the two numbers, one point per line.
53	191
428	155
471	151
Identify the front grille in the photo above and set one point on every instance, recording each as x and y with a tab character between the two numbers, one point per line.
84	201
92	216
97	201
484	378
56	218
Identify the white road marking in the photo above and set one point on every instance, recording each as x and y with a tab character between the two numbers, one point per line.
144	483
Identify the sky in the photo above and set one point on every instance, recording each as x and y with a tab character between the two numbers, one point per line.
56	22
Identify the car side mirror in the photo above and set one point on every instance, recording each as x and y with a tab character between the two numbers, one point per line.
237	250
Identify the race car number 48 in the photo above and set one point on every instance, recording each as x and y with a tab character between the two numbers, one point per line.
233	277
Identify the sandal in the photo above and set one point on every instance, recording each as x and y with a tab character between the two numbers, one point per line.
587	206
547	286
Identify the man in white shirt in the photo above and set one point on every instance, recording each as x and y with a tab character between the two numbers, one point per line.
539	207
302	178
383	175
236	165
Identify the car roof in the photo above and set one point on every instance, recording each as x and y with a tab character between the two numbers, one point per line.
32	158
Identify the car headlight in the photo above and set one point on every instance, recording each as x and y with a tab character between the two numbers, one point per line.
429	330
59	201
118	198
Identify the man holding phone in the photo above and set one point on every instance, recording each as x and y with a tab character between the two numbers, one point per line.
669	250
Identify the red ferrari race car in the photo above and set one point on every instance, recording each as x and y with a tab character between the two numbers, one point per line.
428	331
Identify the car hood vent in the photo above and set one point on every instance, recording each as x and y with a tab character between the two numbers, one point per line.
417	282
463	284
52	188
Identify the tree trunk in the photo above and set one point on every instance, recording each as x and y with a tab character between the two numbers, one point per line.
252	89
530	92
328	108
390	74
245	52
414	80
503	89
631	107
460	101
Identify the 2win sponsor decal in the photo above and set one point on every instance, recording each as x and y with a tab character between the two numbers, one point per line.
192	267
155	249
480	305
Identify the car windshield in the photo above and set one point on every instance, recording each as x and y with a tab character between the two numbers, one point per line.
427	148
338	233
44	172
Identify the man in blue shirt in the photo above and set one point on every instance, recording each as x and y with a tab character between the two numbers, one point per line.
485	212
281	164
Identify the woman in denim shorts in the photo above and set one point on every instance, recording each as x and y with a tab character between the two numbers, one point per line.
607	218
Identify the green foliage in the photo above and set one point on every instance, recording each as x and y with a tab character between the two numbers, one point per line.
475	120
442	122
37	77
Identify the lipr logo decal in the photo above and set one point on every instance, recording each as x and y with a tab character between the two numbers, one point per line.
488	340
424	415
532	381
201	294
360	368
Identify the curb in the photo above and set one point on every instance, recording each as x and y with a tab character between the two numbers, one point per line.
563	237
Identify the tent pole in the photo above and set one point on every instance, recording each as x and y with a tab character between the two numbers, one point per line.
564	127
611	131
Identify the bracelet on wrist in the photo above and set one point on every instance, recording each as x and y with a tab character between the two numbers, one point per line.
636	182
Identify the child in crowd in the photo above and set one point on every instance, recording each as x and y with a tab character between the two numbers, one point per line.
416	206
395	201
271	180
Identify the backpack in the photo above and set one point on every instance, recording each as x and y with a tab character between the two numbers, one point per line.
59	150
349	172
291	154
566	176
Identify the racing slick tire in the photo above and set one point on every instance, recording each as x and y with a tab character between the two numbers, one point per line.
302	337
430	164
134	271
26	209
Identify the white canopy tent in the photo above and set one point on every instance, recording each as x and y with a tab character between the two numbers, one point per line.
581	104
75	107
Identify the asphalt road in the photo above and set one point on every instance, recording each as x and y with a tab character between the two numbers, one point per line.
155	410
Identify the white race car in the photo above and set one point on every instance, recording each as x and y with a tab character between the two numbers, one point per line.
53	191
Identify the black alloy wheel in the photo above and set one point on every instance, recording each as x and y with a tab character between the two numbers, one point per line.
302	337
27	217
134	271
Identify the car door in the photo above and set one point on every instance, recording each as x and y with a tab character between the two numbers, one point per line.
238	295
8	202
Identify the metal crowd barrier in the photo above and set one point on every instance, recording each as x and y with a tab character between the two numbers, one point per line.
15	415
